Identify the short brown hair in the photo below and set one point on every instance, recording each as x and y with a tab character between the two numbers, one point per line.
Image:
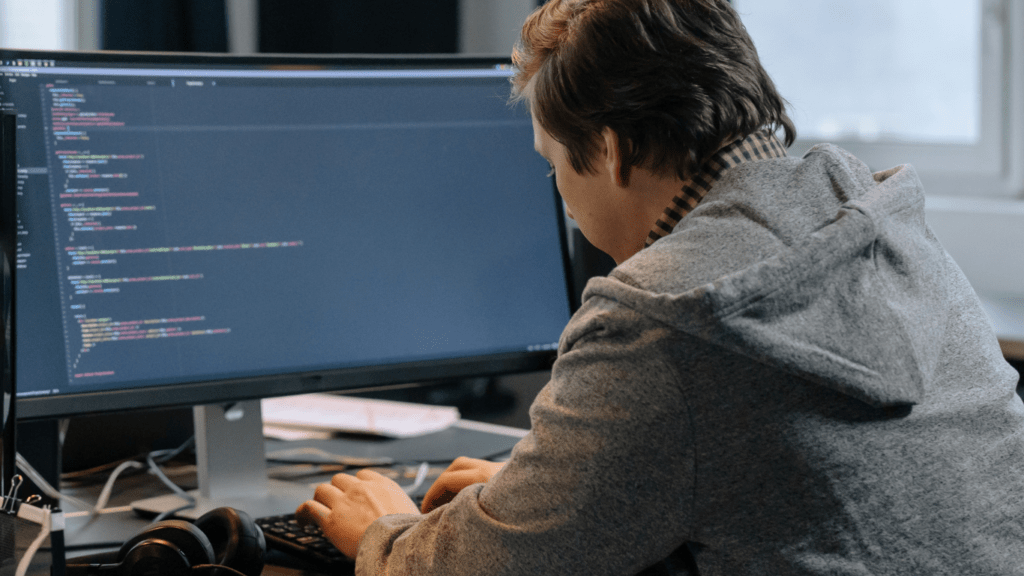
675	79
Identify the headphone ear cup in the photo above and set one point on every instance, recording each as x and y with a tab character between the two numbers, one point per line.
237	541
171	548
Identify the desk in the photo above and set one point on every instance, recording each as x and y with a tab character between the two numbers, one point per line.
1012	349
465	438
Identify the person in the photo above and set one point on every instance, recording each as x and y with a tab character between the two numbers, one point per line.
785	373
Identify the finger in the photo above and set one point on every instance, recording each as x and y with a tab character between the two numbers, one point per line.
387	496
437	498
462	463
344	481
328	495
445	488
312	512
457	480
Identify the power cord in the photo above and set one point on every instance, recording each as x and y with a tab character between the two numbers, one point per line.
153	459
45	486
421	475
155	469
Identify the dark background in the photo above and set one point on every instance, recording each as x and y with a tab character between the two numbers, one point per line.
286	26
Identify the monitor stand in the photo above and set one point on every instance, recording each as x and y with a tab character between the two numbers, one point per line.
231	468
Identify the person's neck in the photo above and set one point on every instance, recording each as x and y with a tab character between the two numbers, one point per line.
652	193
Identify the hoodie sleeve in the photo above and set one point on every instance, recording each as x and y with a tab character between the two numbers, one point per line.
602	484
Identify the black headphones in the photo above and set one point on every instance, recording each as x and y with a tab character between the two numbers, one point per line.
224	541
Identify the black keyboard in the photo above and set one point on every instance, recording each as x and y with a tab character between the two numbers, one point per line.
307	543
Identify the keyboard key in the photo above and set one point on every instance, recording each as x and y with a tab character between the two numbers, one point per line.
306	543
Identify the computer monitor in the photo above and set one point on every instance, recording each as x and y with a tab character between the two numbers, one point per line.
207	230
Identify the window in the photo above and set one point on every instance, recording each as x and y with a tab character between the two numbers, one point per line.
49	24
933	83
35	24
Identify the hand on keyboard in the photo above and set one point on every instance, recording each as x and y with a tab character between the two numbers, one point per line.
307	543
346	507
462	472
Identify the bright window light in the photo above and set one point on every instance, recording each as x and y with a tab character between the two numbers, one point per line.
35	24
906	71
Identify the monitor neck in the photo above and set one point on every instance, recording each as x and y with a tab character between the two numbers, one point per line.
231	468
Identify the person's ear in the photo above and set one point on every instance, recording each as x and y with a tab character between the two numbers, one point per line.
611	156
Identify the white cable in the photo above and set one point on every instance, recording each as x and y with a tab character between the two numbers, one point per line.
45	486
52	492
86	513
101	503
108	488
181	470
421	475
190	501
30	552
155	469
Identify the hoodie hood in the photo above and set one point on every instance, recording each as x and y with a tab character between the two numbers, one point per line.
812	265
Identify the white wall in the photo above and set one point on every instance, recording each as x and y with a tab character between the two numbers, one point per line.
492	26
986	239
243	26
89	24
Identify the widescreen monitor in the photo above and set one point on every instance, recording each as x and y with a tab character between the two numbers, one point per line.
198	229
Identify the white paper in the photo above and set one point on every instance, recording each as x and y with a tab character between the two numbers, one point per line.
290	434
320	412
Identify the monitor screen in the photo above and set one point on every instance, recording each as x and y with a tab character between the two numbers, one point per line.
200	229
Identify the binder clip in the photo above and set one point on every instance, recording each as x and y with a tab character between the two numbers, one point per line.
31	536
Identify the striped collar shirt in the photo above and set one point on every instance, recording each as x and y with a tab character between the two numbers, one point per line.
758	146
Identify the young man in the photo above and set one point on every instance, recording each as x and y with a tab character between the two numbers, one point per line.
786	373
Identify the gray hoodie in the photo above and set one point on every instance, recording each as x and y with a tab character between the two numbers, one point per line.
797	380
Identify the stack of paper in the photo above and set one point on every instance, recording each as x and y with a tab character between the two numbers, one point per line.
319	415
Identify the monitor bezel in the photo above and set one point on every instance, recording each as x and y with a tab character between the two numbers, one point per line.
219	391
